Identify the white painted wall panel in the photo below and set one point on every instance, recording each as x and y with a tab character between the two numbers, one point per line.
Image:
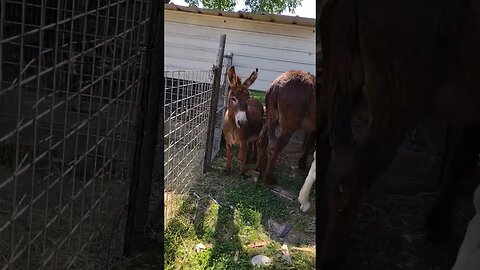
191	42
282	41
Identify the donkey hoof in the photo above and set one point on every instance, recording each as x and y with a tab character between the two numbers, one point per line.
305	206
244	175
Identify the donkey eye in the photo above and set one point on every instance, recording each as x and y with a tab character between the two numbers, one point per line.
233	99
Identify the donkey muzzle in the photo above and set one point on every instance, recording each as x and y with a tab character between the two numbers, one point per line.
240	119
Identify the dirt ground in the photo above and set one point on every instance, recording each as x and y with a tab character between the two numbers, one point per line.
389	233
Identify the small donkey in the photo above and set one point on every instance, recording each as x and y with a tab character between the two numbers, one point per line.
243	118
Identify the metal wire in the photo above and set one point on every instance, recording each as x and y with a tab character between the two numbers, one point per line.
70	82
186	103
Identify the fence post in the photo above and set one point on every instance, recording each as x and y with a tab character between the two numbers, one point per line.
214	103
229	58
148	118
225	80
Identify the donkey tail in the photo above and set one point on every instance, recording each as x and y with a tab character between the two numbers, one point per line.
272	115
340	44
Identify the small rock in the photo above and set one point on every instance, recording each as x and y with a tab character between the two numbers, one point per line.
255	176
286	253
261	260
286	229
275	227
311	227
200	247
235	258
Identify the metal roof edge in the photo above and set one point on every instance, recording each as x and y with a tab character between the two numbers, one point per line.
263	17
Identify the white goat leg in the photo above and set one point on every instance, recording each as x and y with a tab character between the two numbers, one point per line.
468	257
307	186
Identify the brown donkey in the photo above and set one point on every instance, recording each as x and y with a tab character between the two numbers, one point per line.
290	103
243	118
409	61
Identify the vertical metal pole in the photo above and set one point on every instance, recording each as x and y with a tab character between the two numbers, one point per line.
148	118
214	103
225	80
225	97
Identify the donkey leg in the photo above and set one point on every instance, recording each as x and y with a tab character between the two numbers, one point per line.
324	156
323	160
308	148
461	155
254	151
362	166
262	144
307	186
228	166
249	149
341	213
242	156
273	151
251	157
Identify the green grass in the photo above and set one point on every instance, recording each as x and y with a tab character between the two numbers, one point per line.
240	218
260	95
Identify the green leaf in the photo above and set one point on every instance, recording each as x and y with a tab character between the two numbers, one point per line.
267	6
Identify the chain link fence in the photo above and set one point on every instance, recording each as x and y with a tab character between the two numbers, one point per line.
70	79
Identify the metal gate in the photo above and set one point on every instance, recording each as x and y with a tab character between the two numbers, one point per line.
70	79
187	97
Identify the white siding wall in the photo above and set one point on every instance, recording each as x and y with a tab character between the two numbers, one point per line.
191	42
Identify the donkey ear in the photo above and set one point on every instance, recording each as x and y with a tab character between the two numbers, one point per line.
232	76
251	79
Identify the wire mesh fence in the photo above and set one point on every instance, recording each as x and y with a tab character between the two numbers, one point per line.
70	77
186	104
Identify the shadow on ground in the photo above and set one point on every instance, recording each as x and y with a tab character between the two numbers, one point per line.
236	219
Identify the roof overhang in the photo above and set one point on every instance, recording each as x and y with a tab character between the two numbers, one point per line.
263	17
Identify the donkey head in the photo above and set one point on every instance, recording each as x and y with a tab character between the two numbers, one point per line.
239	95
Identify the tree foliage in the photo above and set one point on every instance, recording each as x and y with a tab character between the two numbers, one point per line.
268	6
